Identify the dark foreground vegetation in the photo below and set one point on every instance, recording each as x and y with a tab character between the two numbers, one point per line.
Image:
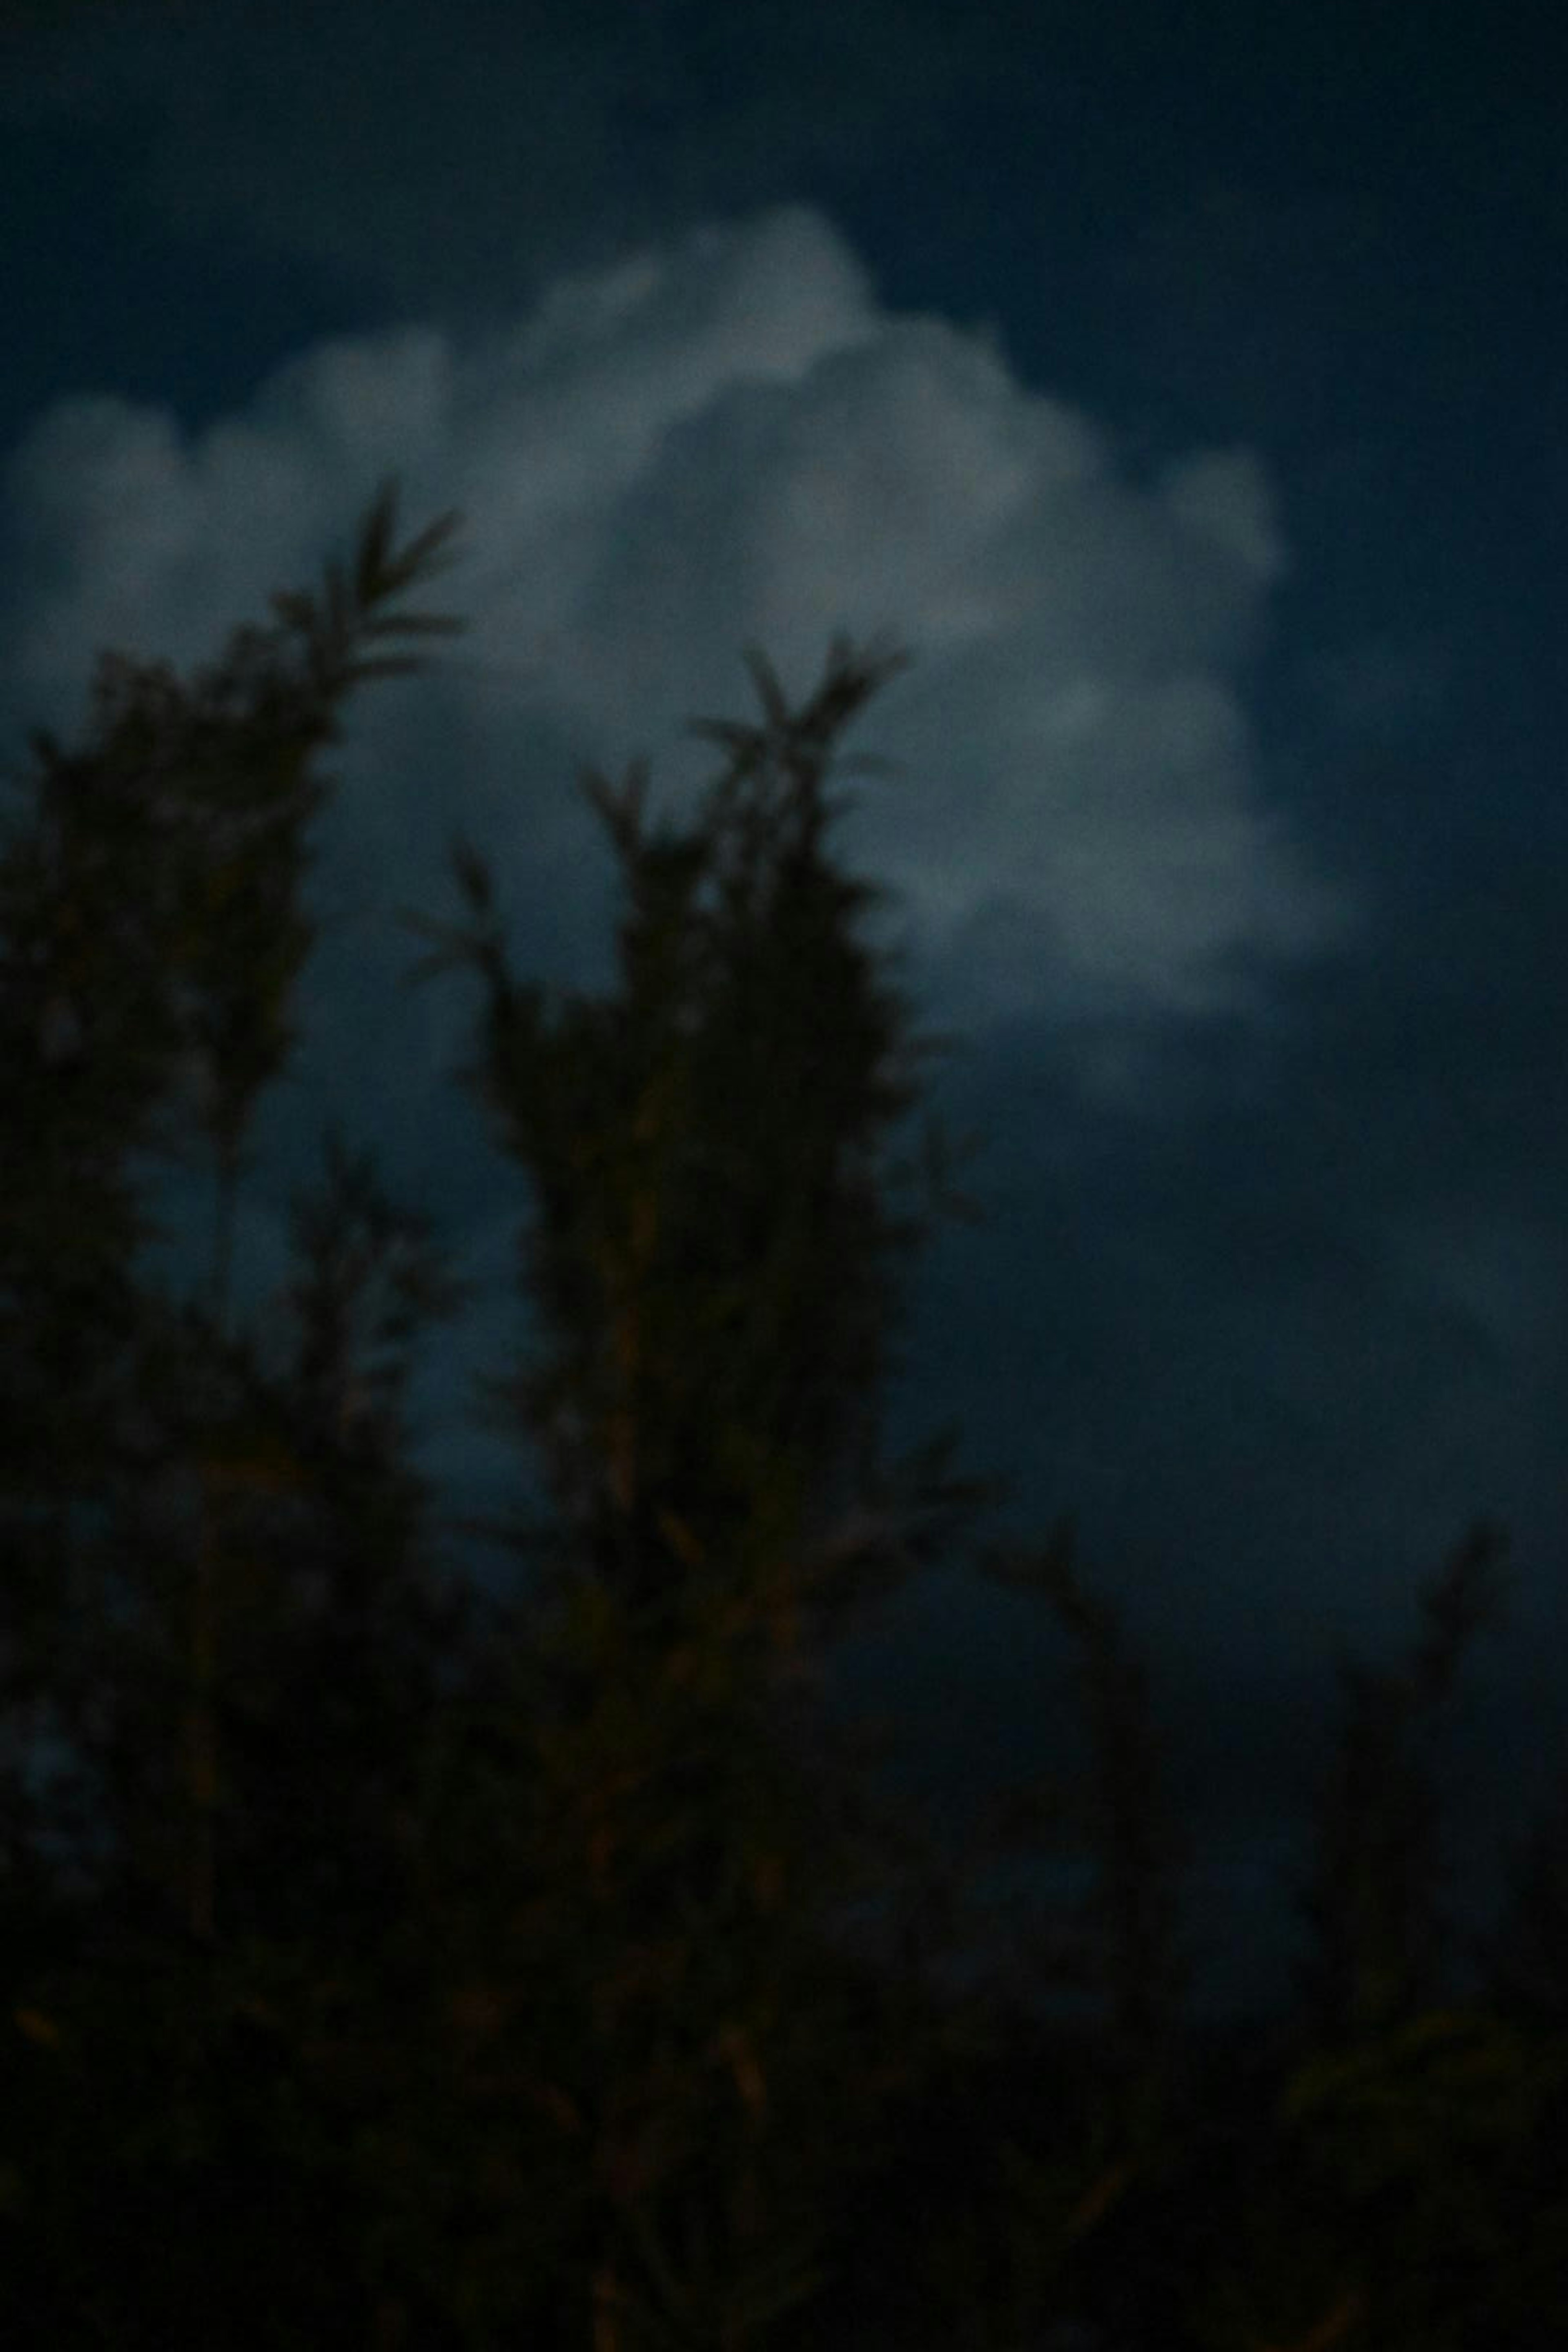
385	1966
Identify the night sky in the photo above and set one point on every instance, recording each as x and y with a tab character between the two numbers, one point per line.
1185	390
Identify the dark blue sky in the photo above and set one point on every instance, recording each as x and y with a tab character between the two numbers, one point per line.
1191	406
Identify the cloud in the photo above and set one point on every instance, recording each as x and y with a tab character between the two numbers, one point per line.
724	440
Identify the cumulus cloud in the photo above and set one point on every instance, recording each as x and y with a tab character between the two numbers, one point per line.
729	440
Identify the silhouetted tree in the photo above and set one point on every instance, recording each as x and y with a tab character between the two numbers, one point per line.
1526	1956
267	1814
1374	1897
711	1255
210	1593
483	1977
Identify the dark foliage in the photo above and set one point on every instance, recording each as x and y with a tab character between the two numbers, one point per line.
382	1972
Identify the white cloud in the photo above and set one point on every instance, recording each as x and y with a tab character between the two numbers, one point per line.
725	441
